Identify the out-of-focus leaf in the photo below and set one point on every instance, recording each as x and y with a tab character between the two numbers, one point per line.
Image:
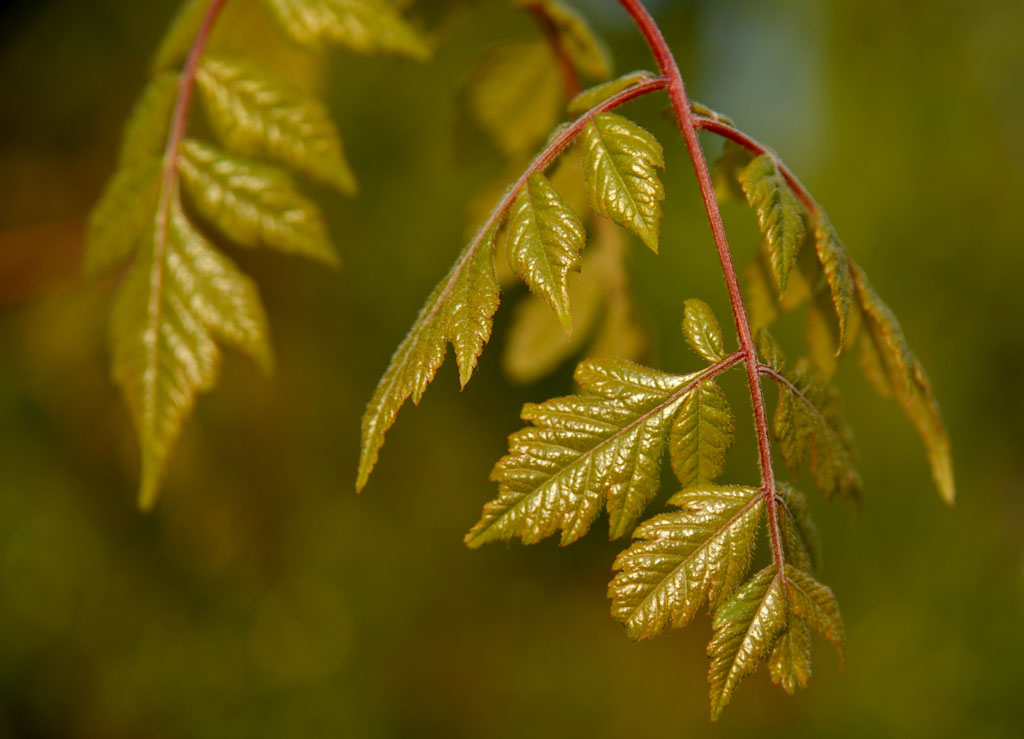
701	329
179	37
769	349
179	295
596	95
603	444
459	311
746	627
123	216
255	115
701	435
620	163
779	213
365	26
821	332
588	53
252	204
809	419
515	95
545	237
908	382
726	173
145	133
678	560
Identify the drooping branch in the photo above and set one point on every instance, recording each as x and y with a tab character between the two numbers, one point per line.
686	121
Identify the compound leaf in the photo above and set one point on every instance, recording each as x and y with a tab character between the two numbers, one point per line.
701	329
597	94
702	433
364	26
145	133
746	628
779	213
620	162
809	419
123	215
459	311
514	95
252	204
255	115
545	237
586	51
888	351
679	560
604	444
179	295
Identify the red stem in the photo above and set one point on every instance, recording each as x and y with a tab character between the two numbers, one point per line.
687	120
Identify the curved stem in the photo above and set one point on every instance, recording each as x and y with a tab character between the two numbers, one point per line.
686	120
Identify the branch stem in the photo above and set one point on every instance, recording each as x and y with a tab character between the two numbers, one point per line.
687	125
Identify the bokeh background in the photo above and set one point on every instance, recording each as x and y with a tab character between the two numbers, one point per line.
264	598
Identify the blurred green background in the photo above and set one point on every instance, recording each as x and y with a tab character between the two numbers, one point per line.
264	598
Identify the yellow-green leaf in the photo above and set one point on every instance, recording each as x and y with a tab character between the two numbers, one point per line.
701	329
459	311
779	213
179	295
252	204
597	94
908	382
821	332
703	110
790	660
545	237
364	26
180	36
145	133
679	560
701	435
816	605
515	95
746	628
620	163
799	534
733	160
836	264
604	444
586	51
255	115
769	350
123	216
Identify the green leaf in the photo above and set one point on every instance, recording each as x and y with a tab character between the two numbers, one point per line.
123	215
746	628
790	660
180	36
179	295
364	26
908	382
459	311
836	264
779	213
596	95
257	116
545	237
702	434
679	560
799	534
703	110
604	444
252	204
816	605
515	95
701	329
620	162
145	133
821	333
586	51
809	419
769	350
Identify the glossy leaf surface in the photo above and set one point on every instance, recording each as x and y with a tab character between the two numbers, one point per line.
701	329
779	213
702	434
